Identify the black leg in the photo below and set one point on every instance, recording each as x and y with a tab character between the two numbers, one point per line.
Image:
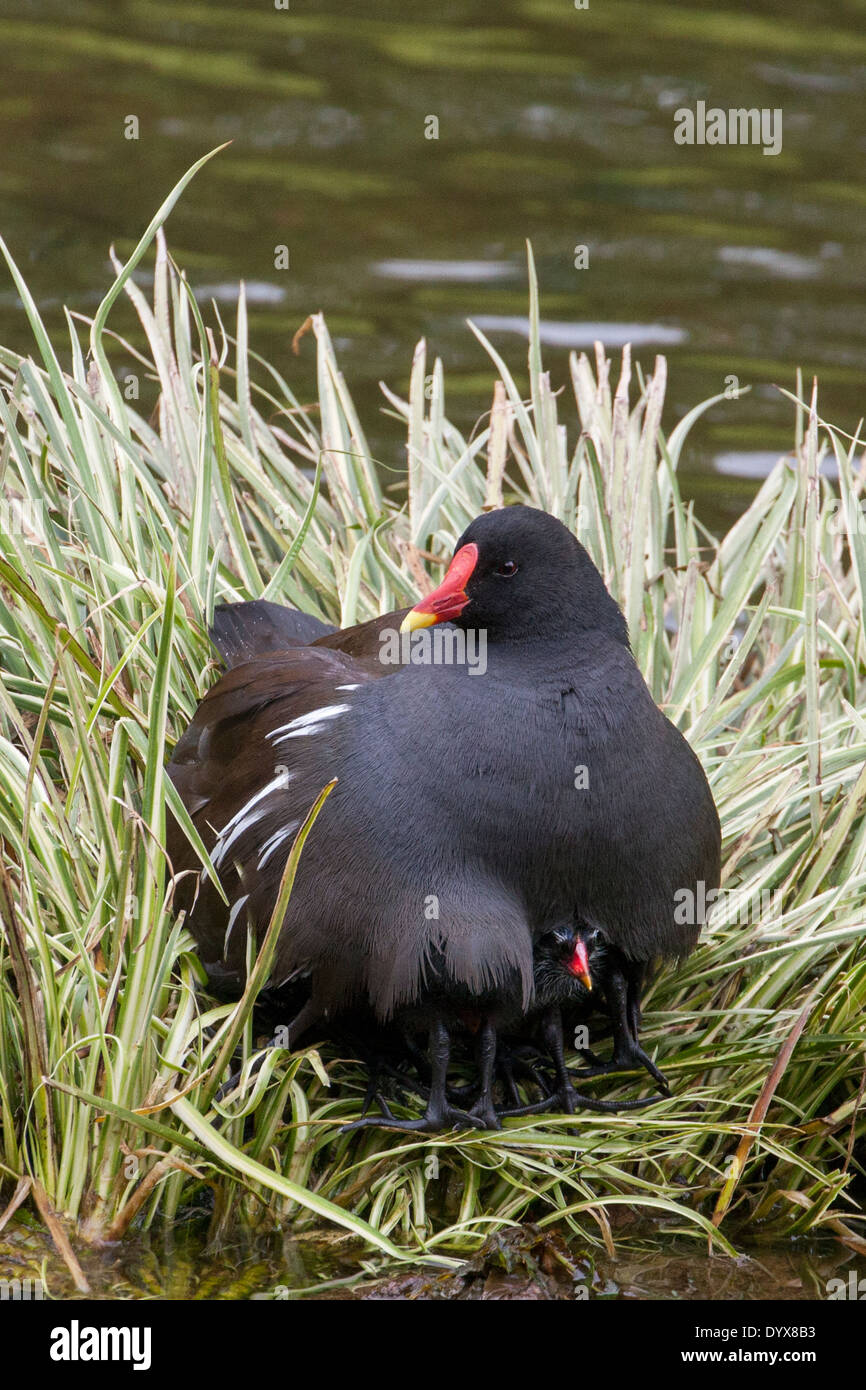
461	1095
484	1110
439	1113
628	1055
635	975
506	1066
566	1098
418	1056
591	1058
551	1028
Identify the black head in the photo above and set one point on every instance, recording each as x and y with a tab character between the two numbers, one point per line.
518	573
567	963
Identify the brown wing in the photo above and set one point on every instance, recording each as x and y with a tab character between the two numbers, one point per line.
226	758
364	640
243	632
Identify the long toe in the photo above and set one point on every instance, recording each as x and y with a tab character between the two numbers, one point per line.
639	1062
514	1096
600	1069
610	1107
568	1104
592	1059
485	1116
518	1111
432	1122
227	1087
388	1122
657	1076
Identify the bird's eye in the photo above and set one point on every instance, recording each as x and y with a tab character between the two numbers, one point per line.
507	569
555	940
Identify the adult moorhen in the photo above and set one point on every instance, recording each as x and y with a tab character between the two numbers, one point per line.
473	813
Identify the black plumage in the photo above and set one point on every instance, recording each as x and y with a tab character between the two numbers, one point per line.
473	813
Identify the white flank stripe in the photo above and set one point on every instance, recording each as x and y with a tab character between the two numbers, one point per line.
347	687
233	916
307	724
275	841
246	816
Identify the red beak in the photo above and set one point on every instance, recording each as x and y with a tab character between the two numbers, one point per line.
578	964
450	598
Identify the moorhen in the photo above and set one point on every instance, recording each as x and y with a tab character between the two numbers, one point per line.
473	812
619	981
574	964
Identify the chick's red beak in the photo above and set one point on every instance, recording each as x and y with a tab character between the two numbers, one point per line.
578	964
449	600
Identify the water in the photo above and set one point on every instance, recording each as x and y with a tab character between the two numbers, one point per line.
179	1263
554	124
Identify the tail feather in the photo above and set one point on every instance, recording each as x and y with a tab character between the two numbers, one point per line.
243	631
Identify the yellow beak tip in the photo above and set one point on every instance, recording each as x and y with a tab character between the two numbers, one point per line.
415	620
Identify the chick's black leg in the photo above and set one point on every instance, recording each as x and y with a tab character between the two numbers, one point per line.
566	1098
635	978
439	1113
628	1055
507	1069
551	1029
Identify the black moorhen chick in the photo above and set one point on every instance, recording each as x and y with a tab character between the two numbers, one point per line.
573	965
618	981
578	968
473	812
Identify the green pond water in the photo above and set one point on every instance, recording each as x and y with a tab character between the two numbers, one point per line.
179	1264
554	124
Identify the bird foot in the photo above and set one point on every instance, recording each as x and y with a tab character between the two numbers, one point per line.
634	1060
485	1115
433	1121
374	1094
566	1101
